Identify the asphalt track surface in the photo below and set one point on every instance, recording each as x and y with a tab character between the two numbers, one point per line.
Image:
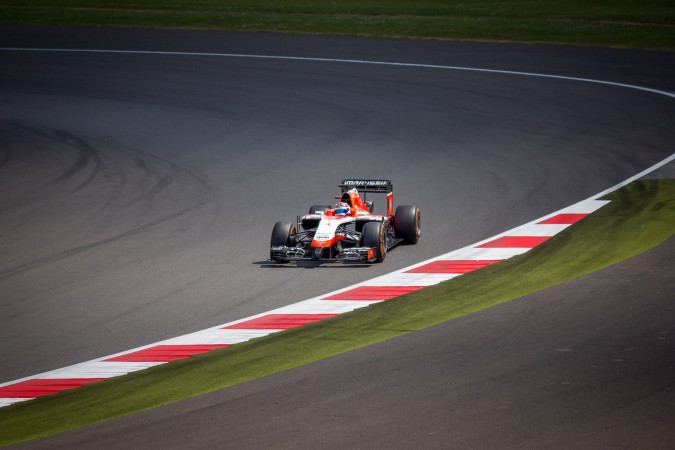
139	190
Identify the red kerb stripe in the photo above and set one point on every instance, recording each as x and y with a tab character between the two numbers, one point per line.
563	219
373	293
165	353
515	242
279	321
40	387
453	266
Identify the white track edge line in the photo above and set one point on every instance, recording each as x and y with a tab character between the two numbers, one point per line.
338	60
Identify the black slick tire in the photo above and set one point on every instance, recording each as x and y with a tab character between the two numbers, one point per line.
407	223
375	236
281	235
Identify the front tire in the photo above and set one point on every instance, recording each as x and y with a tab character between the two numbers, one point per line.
375	236
282	234
407	223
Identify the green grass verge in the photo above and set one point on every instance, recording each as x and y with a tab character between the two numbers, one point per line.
646	24
639	217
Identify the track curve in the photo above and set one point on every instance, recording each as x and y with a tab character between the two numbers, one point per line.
139	190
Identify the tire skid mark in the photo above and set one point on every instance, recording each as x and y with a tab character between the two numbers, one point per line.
153	190
87	247
86	156
161	179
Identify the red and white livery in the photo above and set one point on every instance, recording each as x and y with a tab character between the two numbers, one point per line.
349	231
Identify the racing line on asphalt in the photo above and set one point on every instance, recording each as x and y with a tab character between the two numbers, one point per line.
492	250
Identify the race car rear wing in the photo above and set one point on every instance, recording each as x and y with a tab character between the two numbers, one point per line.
381	186
374	186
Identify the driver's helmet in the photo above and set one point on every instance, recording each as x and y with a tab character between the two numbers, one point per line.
341	209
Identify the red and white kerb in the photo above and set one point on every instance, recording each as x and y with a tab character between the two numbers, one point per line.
410	279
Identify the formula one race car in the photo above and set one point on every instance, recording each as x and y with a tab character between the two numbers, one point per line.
349	231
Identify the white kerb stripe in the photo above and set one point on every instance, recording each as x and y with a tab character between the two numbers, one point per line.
410	279
535	229
99	369
217	336
12	400
318	306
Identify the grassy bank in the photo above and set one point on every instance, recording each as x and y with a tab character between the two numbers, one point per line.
637	24
639	217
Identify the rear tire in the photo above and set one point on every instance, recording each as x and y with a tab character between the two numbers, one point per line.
375	235
282	235
407	223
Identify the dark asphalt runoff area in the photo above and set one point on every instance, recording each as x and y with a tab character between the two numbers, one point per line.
138	193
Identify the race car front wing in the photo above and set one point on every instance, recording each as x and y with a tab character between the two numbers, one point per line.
351	254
